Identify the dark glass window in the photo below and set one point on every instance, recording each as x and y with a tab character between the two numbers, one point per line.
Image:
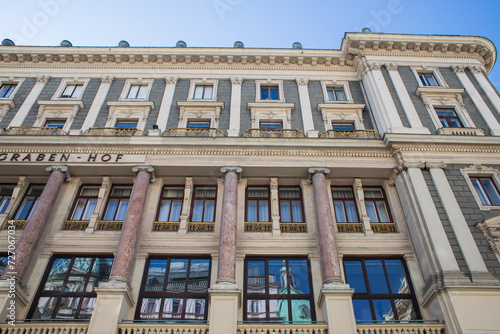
448	118
6	90
174	288
198	124
376	205
169	209
72	91
30	200
382	290
204	204
291	205
269	93
118	203
343	126
55	123
67	289
4	260
258	209
85	203
126	124
137	92
278	290
336	94
486	190
345	205
203	92
428	79
5	196
271	125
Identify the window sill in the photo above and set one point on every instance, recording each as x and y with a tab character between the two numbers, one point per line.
461	131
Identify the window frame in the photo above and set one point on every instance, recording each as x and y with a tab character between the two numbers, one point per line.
434	70
387	207
269	83
164	294
79	196
481	171
353	199
485	191
289	200
204	201
11	89
258	199
110	197
181	198
448	119
21	203
424	80
136	82
65	82
333	84
4	206
202	82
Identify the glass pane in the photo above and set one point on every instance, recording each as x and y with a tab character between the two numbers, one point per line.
275	93
252	211
373	193
397	278
362	310
263	211
100	272
3	264
264	93
79	207
206	192
301	310
342	126
45	308
455	123
195	309
209	211
259	192
177	275
121	191
123	124
198	92
142	92
354	275
208	92
289	193
278	309
352	214
175	214
382	212
26	207
156	275
491	190
77	91
271	125
197	211
122	210
57	275
91	204
256	309
172	308
277	277
298	276
68	91
405	309
150	308
480	192
256	279
285	212
174	192
371	211
204	125
110	212
340	94
4	204
67	308
383	309
79	271
90	191
331	96
431	80
164	213
376	276
339	212
198	275
87	308
132	93
297	211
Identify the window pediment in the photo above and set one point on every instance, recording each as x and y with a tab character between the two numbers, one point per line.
130	110
262	111
56	109
341	113
199	110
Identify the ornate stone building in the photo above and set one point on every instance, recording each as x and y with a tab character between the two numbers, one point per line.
245	190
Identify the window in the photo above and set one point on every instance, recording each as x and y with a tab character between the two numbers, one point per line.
199	124
137	92
118	203
31	197
345	205
486	190
376	205
258	209
5	196
271	125
203	92
427	79
278	289
126	124
4	261
382	290
6	90
269	93
290	205
85	203
448	118
55	123
343	126
67	289
169	209
72	91
336	94
204	204
174	288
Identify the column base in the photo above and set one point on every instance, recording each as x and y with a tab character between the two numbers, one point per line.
312	134
225	299
335	302
233	133
13	299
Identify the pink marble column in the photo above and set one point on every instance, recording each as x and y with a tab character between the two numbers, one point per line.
227	242
330	266
129	237
36	224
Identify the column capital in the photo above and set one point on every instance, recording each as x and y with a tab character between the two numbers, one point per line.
420	165
60	168
475	69
43	78
302	81
458	68
236	80
429	165
171	80
149	169
235	169
314	170
107	79
391	67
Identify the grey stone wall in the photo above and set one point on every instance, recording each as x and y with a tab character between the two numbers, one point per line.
87	99
18	100
291	91
224	95
247	95
359	98
316	97
156	95
113	95
395	97
180	94
46	94
481	92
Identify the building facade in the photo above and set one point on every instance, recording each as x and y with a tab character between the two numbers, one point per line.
245	190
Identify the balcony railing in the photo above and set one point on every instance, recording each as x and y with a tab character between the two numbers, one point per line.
201	227
293	227
350	227
34	131
461	131
383	227
75	225
45	328
401	328
193	132
282	328
258	227
350	134
273	133
114	132
147	327
109	225
18	224
166	226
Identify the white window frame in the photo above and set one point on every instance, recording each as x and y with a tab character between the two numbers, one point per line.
70	81
481	171
200	110
203	82
129	110
133	82
269	82
325	85
434	70
271	112
7	103
65	109
342	113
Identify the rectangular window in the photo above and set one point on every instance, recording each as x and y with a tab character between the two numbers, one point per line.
382	290
203	209
486	190
6	90
258	209
203	92
67	289
376	205
174	288
126	124
5	196
269	93
56	123
29	202
85	203
271	125
72	91
137	92
342	126
290	199
336	94
428	79
169	209
199	124
278	289
118	203
448	118
345	205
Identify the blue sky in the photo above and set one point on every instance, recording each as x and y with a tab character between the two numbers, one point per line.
317	24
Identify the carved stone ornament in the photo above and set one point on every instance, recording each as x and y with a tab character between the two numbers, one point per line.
458	68
107	79
302	81
42	78
475	69
391	67
149	169
420	165
63	169
314	170
171	80
429	165
236	80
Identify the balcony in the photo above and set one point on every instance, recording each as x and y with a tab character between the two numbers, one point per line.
166	226
273	133
461	131
383	227
293	227
258	227
75	225
114	132
147	327
201	227
350	227
401	328
350	134
34	131
193	132
58	327
109	225
318	327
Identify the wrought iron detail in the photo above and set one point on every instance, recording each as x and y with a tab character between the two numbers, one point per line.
384	227
109	225
193	132
293	227
258	227
34	131
75	225
273	133
114	132
350	134
350	227
201	227
166	226
19	224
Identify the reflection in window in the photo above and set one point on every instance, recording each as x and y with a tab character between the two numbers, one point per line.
269	93
199	124
428	79
257	204
72	91
5	196
118	203
3	264
376	205
448	118
30	200
6	90
55	123
345	205
169	209
382	290
203	209
175	288
67	291
336	94
486	190
290	205
85	203
278	290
